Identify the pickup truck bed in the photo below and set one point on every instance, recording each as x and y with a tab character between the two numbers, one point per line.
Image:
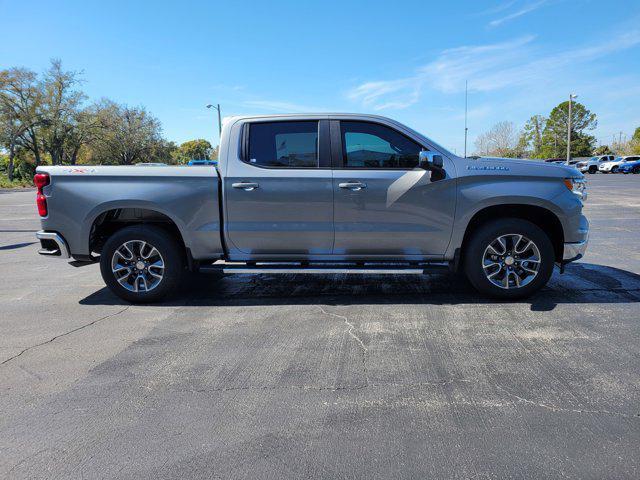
87	197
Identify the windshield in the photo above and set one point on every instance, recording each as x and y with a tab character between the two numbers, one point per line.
594	158
618	159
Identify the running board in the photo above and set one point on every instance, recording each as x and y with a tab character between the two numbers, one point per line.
326	268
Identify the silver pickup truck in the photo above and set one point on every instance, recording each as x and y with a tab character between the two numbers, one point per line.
317	193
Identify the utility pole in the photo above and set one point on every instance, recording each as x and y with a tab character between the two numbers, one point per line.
217	107
466	90
571	97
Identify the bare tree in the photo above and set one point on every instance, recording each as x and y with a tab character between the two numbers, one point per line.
20	101
128	135
11	128
61	111
502	140
87	130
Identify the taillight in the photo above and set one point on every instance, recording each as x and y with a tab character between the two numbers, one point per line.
41	180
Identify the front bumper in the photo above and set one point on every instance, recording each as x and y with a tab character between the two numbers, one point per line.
574	251
53	245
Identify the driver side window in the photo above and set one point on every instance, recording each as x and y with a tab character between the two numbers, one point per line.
370	145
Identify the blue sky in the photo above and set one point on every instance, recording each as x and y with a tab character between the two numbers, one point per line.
406	60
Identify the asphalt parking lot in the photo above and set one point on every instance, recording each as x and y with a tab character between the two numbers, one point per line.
335	376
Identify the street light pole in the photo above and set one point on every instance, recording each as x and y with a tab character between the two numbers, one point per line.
571	97
217	107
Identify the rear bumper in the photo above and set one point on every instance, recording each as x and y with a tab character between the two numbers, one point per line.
53	245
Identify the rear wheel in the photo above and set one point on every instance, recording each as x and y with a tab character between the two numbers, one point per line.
593	169
509	258
636	169
142	264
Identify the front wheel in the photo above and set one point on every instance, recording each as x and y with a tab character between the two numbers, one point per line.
593	169
142	263
509	258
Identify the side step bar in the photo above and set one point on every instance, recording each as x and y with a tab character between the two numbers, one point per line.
326	268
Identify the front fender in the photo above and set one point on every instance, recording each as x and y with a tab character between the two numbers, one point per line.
477	193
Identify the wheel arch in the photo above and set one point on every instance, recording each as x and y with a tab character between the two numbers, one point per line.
544	218
111	217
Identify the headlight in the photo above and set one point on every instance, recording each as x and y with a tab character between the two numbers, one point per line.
578	186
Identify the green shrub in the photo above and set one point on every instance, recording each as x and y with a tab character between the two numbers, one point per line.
5	183
24	170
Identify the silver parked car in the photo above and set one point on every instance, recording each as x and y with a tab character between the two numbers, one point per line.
317	193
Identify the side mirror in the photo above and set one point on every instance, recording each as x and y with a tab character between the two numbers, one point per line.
430	161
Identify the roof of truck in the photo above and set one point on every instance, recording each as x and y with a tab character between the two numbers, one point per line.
357	116
310	114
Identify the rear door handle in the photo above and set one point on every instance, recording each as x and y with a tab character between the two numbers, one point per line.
246	186
353	186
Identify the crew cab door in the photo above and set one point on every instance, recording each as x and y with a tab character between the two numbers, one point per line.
384	204
278	191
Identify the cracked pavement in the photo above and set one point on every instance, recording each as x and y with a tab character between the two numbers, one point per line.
333	376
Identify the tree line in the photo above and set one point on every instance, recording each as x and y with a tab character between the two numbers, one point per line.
47	119
546	136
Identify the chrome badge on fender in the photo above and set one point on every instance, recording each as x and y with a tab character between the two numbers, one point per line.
487	167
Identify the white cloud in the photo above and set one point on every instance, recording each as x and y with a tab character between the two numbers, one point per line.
515	63
528	8
394	94
224	86
453	66
499	8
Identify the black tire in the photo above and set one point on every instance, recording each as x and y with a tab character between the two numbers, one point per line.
636	170
614	169
168	247
485	235
593	169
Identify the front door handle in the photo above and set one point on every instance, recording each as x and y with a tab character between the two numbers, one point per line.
353	186
246	186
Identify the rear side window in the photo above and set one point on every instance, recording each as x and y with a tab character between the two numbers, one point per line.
283	144
370	145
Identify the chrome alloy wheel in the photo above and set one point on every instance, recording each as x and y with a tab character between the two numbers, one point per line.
511	261
137	266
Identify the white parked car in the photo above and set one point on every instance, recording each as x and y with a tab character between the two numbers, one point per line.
591	165
614	165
